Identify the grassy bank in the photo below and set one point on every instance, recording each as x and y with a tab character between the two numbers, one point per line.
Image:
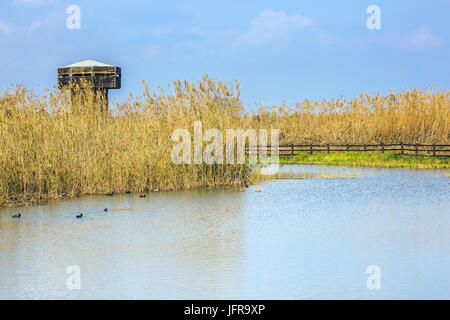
356	159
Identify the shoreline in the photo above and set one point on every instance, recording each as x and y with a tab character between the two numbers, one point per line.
370	160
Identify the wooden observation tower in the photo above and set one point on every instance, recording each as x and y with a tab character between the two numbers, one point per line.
102	76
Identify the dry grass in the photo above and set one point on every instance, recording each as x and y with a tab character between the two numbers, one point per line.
48	150
409	117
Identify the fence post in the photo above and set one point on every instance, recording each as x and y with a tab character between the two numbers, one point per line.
417	149
365	148
434	149
348	148
328	148
310	149
382	147
292	150
401	145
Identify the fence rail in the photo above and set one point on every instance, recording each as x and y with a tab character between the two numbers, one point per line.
441	150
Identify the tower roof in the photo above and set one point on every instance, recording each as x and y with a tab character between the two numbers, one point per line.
88	63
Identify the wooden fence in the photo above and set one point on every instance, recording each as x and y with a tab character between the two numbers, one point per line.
441	150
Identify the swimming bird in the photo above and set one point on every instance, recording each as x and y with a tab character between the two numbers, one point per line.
17	216
106	209
128	192
110	194
79	216
142	196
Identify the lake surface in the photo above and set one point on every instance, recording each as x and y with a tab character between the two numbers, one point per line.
309	238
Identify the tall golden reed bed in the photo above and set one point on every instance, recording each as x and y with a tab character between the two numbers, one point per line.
49	150
408	116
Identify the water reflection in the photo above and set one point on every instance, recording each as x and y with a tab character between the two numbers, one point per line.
305	238
168	247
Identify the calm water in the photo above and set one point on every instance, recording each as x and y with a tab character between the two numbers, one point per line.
296	239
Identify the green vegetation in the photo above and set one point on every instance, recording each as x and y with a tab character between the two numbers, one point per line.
356	159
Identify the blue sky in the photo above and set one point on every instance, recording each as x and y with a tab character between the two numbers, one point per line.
280	51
